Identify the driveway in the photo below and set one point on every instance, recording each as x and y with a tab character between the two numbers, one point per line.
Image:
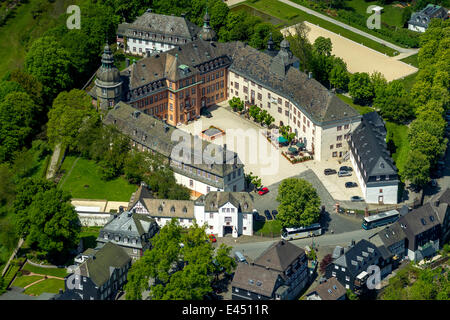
261	158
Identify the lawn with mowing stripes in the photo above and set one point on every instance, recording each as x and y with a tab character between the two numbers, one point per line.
400	138
292	16
24	281
83	180
56	272
48	286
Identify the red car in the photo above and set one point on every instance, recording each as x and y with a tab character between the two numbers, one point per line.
263	191
212	238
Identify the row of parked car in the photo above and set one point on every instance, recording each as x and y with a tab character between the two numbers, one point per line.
267	215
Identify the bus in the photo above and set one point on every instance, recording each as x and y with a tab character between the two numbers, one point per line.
380	219
302	232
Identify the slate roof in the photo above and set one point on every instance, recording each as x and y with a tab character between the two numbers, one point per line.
412	222
279	256
244	201
170	208
131	225
431	11
388	236
308	95
369	144
100	267
160	24
156	135
331	289
256	279
357	258
141	193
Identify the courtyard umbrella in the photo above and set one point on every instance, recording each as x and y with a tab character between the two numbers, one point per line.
300	145
292	149
282	139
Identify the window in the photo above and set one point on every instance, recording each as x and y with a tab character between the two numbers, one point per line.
331	147
339	128
339	138
346	126
211	215
279	110
335	154
338	145
381	190
347	278
333	274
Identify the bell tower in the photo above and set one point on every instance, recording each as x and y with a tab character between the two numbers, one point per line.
108	83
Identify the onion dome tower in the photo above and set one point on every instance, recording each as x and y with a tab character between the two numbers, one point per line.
108	83
207	33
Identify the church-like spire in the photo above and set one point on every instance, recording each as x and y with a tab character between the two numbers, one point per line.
270	43
207	33
107	57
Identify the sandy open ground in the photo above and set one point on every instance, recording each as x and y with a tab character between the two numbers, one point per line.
360	58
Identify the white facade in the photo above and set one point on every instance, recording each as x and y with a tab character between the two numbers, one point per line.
417	255
233	182
376	194
139	46
227	219
328	142
416	28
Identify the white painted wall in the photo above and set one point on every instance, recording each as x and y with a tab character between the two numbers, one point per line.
389	194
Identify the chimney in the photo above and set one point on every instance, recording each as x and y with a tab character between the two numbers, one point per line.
310	75
436	203
120	209
352	243
127	62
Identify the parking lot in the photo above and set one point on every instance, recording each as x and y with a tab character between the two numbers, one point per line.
268	163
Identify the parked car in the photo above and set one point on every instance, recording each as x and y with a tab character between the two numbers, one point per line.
263	191
267	214
240	257
346	168
258	217
350	184
274	214
327	172
212	238
344	174
356	199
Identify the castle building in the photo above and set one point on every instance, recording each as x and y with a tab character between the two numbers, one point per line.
174	85
152	33
108	83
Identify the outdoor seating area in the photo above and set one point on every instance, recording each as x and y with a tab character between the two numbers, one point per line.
294	151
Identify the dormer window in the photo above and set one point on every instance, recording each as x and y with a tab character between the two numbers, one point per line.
172	209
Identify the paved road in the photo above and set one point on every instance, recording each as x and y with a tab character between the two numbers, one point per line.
253	249
405	52
330	221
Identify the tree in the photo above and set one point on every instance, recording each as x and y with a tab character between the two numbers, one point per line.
300	45
17	123
236	104
378	81
323	46
7	187
223	261
171	271
68	114
339	77
50	64
30	84
325	262
428	144
393	102
52	224
417	168
6	87
299	203
360	88
262	32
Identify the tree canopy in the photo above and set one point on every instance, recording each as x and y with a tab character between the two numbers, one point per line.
299	203
180	266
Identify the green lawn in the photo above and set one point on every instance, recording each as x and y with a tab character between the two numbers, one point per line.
23	281
412	60
292	16
267	228
401	142
84	181
10	273
22	29
361	109
57	272
48	286
391	15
